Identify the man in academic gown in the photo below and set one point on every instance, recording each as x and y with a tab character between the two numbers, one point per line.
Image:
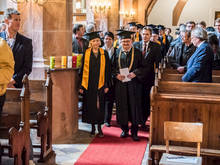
163	40
151	56
134	28
128	93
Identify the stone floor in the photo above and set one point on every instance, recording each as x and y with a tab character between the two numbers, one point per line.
67	154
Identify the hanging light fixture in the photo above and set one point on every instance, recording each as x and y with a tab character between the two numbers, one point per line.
100	6
39	2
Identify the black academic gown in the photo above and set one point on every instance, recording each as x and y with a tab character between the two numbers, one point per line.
128	94
91	113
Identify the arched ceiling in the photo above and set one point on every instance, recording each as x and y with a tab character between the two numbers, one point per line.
149	6
177	11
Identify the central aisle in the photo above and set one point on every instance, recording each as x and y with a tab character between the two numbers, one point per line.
113	150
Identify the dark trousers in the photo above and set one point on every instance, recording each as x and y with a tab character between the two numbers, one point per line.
2	101
109	101
146	103
134	128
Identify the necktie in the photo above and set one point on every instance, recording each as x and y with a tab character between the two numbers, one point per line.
144	48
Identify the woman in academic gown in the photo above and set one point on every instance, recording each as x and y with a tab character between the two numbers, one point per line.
95	75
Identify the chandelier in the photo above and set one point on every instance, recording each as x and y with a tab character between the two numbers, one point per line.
128	14
39	2
100	6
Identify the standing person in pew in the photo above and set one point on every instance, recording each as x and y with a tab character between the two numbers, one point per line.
6	70
127	65
182	52
199	66
151	55
110	96
21	47
95	76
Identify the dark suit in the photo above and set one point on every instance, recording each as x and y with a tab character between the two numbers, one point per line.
181	54
149	59
199	66
23	56
76	48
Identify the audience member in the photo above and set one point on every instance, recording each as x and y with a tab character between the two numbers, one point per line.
199	66
217	27
190	25
202	24
79	44
168	34
21	47
214	43
182	52
2	27
6	70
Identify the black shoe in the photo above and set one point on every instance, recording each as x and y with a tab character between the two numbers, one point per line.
124	134
100	134
108	124
145	127
135	138
93	130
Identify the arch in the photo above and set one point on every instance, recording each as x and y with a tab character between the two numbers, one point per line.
177	11
149	6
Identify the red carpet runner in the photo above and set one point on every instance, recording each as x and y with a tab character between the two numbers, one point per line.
113	150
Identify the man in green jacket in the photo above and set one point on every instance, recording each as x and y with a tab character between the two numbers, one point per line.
6	69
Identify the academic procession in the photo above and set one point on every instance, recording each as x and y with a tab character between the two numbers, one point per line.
109	82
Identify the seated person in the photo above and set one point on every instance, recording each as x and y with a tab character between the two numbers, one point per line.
213	42
182	52
199	66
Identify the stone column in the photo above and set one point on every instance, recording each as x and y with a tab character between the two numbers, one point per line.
50	28
32	27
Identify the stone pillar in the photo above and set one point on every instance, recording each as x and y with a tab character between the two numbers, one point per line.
50	28
32	27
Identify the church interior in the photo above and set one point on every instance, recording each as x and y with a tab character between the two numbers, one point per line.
45	117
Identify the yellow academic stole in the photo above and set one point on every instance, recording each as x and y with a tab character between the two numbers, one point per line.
164	39
137	37
85	77
115	44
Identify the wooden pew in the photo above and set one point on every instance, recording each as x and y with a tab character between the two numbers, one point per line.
15	127
41	107
186	102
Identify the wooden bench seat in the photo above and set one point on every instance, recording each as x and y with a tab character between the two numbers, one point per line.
186	150
15	128
186	102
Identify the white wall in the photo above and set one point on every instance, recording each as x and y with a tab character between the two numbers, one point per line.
2	7
196	10
4	4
